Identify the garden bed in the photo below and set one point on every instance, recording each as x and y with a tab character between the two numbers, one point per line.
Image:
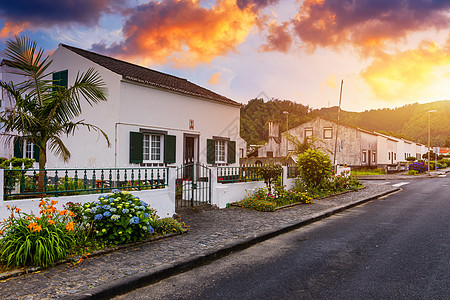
74	260
115	221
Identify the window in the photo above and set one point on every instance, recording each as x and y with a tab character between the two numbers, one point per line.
328	133
220	150
395	156
152	147
147	147
374	156
29	150
60	78
308	132
364	156
389	155
269	154
25	149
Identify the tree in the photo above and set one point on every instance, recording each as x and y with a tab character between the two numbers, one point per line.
315	167
447	142
44	110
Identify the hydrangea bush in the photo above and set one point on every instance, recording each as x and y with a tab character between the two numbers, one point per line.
418	166
119	217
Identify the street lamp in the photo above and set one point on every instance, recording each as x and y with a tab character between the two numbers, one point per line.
429	135
287	128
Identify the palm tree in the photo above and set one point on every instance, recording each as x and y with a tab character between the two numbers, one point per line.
308	143
44	110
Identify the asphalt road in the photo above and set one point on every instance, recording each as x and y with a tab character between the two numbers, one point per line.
397	247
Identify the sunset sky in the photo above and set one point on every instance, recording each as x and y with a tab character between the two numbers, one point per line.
389	53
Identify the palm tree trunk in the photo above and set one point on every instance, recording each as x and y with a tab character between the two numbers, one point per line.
42	162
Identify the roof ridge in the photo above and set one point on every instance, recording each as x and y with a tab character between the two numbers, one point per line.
149	76
123	61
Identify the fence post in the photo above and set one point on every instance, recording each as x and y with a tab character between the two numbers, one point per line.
171	185
213	186
284	175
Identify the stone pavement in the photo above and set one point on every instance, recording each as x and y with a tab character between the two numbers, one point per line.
213	233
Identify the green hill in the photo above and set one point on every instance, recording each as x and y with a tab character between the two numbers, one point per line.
409	121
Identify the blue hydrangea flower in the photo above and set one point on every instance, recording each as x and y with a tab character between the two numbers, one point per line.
150	229
106	207
107	214
101	197
93	210
146	215
144	204
134	220
113	209
115	217
97	203
125	210
116	191
98	217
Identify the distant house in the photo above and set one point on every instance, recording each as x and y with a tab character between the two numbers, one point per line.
352	146
151	118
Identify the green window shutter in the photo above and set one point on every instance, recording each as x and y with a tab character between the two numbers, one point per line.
61	78
231	159
136	147
170	149
36	153
18	147
210	151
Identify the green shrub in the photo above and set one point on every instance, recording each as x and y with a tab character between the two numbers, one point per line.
119	217
413	172
411	158
12	176
270	174
261	205
315	167
40	241
167	225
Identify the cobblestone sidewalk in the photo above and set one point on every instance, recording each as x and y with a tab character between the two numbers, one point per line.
212	233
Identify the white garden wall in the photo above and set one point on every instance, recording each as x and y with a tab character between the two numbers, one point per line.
162	200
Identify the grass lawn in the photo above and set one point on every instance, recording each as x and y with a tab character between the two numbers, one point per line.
368	172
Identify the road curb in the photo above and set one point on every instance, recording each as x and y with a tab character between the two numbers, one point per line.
132	282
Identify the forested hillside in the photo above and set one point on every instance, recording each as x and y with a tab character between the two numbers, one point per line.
409	121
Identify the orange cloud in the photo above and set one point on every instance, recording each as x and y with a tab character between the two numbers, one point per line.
215	78
182	32
278	38
366	24
11	29
409	74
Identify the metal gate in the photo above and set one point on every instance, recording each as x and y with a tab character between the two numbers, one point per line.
193	185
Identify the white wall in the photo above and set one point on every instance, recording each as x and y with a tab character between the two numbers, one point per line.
132	106
88	148
145	107
162	200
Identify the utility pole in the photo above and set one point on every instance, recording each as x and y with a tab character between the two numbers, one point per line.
337	127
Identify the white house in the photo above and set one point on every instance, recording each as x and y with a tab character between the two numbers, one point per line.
387	150
352	146
151	118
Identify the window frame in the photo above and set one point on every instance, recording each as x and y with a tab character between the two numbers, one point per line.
328	129
364	157
218	152
309	129
147	147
